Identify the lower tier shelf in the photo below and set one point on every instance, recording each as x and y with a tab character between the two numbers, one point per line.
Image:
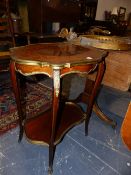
38	129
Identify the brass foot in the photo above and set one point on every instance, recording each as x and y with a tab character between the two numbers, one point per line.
50	171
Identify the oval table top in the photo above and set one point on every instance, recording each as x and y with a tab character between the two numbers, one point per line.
56	54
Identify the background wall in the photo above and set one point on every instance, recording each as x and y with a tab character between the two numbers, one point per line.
109	4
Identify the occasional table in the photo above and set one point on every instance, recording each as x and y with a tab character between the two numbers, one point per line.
55	60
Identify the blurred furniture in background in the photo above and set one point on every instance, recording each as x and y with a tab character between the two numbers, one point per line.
121	14
43	13
7	38
128	33
117	22
78	14
121	21
118	62
10	32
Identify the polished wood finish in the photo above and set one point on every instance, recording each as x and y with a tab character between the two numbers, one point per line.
55	60
126	128
64	124
48	54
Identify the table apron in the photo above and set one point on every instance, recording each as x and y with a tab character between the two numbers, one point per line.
27	70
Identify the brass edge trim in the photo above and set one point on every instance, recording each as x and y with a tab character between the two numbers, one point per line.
73	124
33	73
69	65
57	66
79	72
73	72
62	135
60	138
37	63
36	142
31	63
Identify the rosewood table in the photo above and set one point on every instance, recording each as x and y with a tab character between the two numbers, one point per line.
55	60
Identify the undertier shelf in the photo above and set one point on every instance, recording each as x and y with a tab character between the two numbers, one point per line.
38	129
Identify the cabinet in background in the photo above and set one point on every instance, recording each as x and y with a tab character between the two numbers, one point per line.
42	13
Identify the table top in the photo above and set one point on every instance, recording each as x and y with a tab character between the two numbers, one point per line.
56	54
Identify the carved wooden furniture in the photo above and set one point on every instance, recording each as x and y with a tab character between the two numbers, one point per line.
55	60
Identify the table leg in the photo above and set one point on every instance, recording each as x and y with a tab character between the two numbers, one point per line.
97	83
16	89
84	97
102	116
55	107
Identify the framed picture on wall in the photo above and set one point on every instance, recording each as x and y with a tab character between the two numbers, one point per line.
121	13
